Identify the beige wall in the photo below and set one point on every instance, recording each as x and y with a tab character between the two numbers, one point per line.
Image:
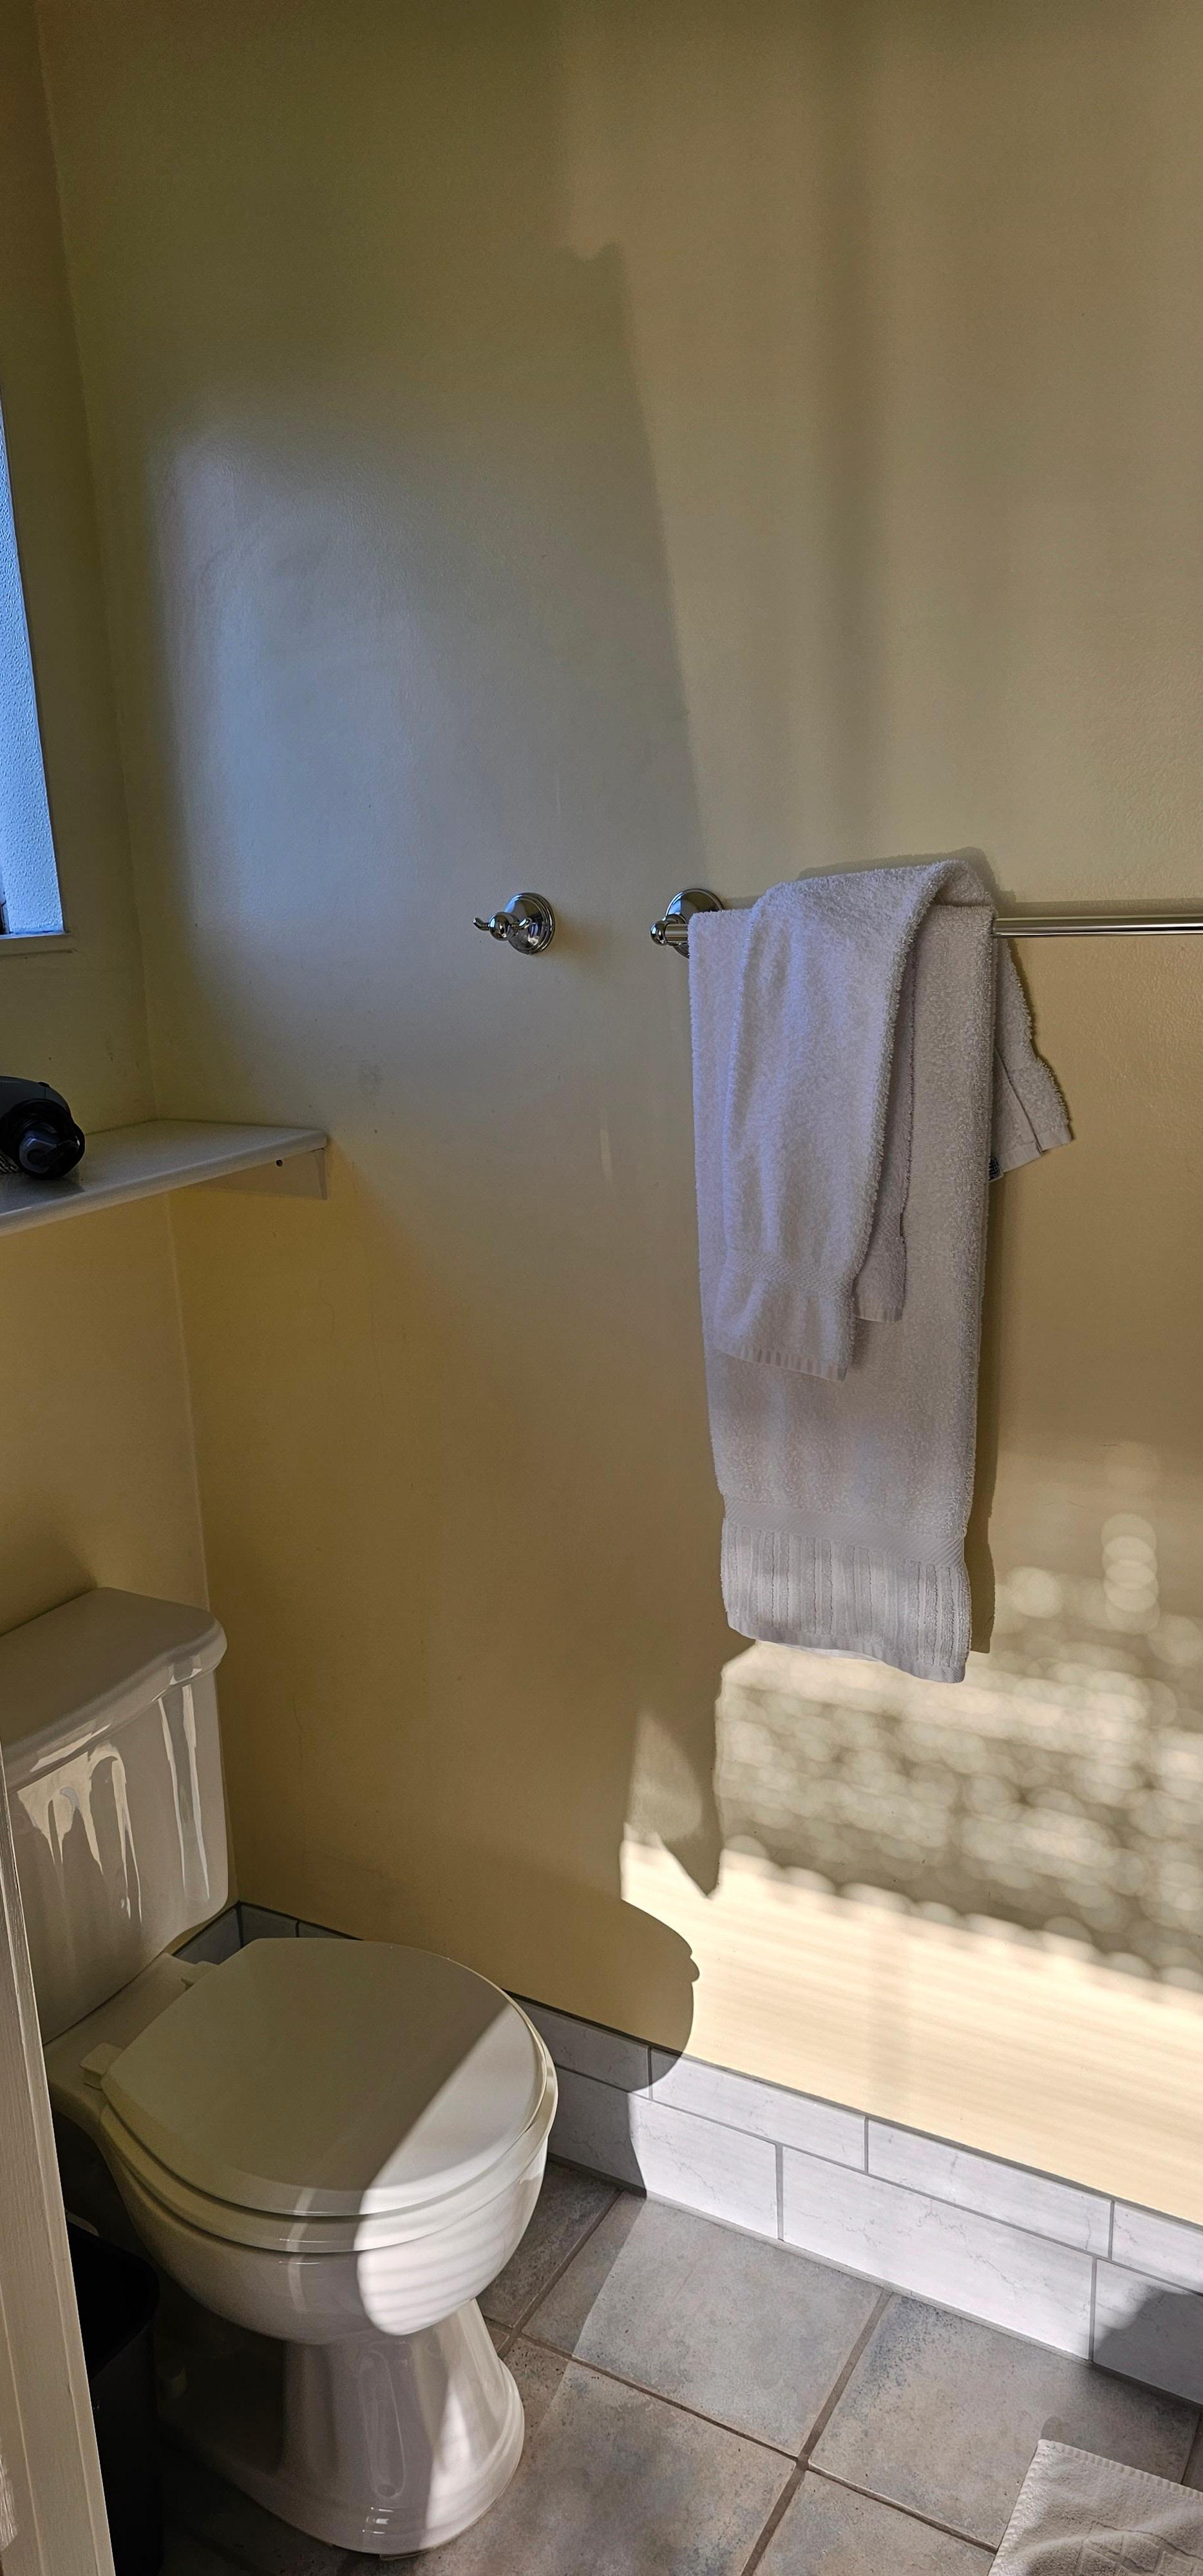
596	447
96	1478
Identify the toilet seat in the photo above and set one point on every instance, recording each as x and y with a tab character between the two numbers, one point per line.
319	2096
269	2231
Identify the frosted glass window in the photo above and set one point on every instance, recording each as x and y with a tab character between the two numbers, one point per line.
29	896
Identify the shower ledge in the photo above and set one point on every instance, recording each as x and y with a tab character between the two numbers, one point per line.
170	1154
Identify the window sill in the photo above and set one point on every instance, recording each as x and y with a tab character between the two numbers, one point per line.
35	943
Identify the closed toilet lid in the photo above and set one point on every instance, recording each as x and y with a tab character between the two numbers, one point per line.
331	2078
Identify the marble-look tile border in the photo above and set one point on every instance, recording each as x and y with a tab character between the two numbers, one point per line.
1039	2256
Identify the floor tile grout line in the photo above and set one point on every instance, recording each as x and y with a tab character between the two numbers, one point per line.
569	2259
680	2405
821	2421
721	2424
765	2538
950	2530
926	2299
885	2300
802	2254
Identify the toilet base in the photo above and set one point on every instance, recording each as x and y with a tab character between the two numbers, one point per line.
383	2443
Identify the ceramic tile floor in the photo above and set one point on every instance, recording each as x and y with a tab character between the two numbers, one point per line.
704	2403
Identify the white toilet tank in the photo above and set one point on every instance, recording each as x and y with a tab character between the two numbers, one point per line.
108	1731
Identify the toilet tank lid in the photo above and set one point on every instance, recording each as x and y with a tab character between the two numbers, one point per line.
94	1661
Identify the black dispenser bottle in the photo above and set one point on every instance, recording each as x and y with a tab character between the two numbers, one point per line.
38	1135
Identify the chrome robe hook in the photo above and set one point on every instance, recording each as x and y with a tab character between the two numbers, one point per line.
526	923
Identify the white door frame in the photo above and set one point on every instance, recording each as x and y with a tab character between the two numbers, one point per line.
52	2516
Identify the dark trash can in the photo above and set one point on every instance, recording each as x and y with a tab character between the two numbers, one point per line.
117	2295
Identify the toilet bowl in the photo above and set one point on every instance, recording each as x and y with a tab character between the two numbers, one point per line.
330	2146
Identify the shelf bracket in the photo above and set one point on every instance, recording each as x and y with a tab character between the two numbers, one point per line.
295	1176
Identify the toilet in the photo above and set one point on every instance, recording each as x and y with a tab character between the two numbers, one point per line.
330	2147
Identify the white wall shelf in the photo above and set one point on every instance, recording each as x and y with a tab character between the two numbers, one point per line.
169	1154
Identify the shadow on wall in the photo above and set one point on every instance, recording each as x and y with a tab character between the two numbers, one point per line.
405	604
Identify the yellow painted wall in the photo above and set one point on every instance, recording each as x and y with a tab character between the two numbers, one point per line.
96	1474
600	444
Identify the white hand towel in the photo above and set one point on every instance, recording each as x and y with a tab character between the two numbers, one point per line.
1079	2515
862	1058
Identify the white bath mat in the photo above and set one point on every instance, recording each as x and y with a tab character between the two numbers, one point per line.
1082	2516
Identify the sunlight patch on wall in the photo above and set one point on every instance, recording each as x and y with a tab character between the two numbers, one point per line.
975	1909
1023	2045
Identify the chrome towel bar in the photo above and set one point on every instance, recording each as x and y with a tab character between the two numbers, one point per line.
1089	925
672	929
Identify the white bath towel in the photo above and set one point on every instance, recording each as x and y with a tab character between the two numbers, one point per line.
862	1058
1078	2515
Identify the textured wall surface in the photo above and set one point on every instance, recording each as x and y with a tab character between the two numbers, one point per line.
96	1473
597	448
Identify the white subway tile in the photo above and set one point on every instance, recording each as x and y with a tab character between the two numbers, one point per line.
998	2273
587	2048
1148	2332
1011	2192
1168	2247
697	2164
592	2127
763	2110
